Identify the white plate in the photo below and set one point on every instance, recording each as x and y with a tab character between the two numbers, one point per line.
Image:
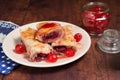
14	37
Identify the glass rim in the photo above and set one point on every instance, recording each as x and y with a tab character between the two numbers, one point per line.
96	4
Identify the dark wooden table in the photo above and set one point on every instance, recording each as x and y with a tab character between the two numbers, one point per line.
95	65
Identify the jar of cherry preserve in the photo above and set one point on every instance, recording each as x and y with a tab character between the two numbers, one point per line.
96	17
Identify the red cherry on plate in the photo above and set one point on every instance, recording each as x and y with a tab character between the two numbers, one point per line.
70	52
52	57
19	48
77	37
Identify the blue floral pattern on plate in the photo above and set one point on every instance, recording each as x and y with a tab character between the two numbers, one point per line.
6	64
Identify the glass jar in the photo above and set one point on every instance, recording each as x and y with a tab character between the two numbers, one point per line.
96	17
110	41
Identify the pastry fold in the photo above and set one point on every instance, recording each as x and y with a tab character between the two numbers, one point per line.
36	51
49	32
66	42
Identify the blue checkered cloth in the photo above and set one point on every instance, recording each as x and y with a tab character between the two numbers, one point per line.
6	64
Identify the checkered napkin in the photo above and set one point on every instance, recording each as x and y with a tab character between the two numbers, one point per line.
6	64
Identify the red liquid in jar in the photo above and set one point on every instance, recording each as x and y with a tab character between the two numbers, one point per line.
95	20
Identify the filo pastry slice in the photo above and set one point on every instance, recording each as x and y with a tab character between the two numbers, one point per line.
36	51
68	41
49	32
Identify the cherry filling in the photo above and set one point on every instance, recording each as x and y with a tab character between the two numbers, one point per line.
60	49
51	36
47	25
40	57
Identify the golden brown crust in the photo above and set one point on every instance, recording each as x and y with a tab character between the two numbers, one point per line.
67	39
29	33
42	31
33	47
